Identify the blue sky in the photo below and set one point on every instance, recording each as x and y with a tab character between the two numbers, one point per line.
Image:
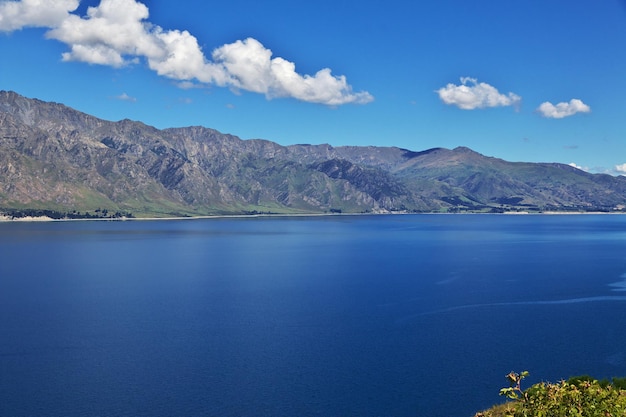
521	80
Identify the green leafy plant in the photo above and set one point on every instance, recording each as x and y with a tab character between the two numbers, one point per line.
577	397
514	390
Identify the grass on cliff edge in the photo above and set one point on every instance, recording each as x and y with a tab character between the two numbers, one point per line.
580	396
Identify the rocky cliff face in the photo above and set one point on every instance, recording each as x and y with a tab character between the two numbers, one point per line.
53	157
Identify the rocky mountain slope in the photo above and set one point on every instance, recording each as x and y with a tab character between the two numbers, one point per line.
58	159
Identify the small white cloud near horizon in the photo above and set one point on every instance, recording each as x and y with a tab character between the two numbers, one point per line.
116	33
472	95
621	169
563	109
125	97
572	164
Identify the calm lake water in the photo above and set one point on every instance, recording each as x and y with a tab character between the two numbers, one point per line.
416	315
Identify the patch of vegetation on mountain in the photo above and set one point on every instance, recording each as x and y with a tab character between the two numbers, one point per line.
13	213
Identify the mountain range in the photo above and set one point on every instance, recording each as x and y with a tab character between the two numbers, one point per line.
61	162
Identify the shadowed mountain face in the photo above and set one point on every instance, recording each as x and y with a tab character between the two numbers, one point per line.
55	158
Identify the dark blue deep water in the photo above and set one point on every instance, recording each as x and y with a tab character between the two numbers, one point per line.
330	316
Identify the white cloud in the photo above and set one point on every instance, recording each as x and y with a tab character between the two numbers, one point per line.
116	33
126	97
572	164
563	109
189	85
621	169
250	66
476	95
15	15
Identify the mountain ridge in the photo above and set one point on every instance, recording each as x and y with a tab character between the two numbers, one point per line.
53	157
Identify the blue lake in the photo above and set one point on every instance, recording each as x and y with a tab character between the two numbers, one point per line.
414	315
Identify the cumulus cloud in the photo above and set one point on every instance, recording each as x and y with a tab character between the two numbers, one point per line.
15	15
621	169
471	94
249	66
563	109
116	33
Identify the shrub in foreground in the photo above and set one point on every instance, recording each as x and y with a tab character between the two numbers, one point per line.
577	397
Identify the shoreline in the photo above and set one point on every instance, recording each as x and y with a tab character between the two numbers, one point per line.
31	219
